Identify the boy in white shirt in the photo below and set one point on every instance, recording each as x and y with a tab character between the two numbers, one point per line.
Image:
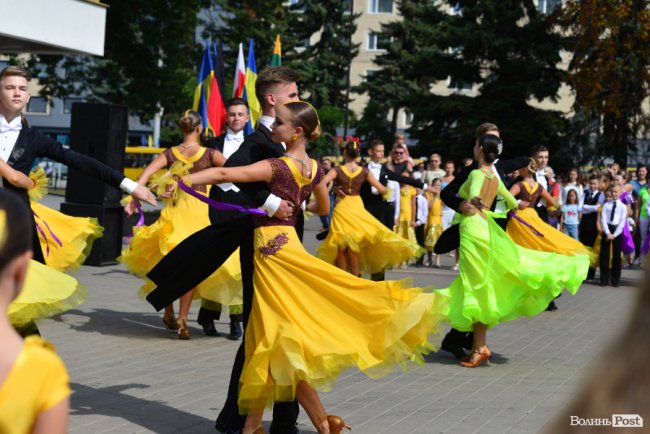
612	221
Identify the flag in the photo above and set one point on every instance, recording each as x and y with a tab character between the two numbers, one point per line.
219	68
216	109
240	75
254	108
150	141
202	90
276	59
143	140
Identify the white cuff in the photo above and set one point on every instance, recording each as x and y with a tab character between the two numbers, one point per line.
271	205
128	185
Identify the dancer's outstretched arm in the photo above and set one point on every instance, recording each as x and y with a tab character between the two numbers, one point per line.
260	171
19	179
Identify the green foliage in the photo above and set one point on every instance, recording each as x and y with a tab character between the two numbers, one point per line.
150	59
505	49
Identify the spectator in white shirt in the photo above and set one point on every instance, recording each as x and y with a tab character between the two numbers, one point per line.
612	221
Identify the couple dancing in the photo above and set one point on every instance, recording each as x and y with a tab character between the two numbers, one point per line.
308	320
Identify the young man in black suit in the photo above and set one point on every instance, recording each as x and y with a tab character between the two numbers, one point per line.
456	340
199	255
382	210
20	145
227	143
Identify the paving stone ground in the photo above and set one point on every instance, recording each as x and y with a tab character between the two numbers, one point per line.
130	375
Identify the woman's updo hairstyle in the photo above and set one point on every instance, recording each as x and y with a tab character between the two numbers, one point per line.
15	228
490	144
352	149
304	115
188	121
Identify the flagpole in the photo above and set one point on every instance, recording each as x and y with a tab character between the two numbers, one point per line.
347	79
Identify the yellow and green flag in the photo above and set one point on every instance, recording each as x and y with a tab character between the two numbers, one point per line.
254	107
276	60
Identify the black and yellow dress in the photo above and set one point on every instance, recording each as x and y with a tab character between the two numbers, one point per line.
310	320
434	227
181	217
355	228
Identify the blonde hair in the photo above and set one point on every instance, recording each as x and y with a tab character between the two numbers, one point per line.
304	115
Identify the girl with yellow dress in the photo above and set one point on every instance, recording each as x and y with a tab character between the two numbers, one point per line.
499	280
434	220
34	385
47	292
528	230
357	241
181	217
309	319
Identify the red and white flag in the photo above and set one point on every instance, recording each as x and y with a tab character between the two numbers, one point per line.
240	75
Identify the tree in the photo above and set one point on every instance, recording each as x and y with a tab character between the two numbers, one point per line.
487	61
610	68
389	88
149	62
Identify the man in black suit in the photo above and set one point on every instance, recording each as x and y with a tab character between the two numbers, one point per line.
20	145
456	340
199	255
227	143
382	210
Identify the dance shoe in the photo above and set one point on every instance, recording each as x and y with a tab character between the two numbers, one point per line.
170	321
456	350
472	362
183	331
337	424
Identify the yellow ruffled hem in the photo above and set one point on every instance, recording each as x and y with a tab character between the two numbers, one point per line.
39	190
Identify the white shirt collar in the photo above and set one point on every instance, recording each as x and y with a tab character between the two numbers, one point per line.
14	125
267	121
373	165
231	135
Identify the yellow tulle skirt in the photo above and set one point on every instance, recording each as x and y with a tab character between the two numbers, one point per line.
46	292
432	232
76	236
310	320
355	228
178	221
552	239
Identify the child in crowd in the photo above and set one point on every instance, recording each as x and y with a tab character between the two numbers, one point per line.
434	221
613	218
570	217
421	218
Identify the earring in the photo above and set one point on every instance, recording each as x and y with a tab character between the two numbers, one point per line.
294	137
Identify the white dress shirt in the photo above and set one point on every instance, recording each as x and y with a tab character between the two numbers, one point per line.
588	209
422	207
618	220
231	143
500	205
8	135
393	195
375	169
272	202
541	179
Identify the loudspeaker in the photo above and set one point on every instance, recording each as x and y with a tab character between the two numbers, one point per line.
99	131
107	248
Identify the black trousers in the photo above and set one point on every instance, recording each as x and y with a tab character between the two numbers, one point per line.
191	262
385	213
542	212
587	234
613	246
419	236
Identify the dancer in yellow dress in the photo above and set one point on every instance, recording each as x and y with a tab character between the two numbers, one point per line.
46	291
357	241
528	230
311	320
181	217
65	240
34	389
434	220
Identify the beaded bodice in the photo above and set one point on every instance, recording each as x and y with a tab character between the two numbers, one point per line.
200	161
351	182
289	184
529	194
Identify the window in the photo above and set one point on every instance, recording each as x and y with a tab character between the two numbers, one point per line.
408	118
67	104
381	6
455	84
377	42
371	72
37	104
548	6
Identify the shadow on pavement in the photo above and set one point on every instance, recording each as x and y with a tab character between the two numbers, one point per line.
155	416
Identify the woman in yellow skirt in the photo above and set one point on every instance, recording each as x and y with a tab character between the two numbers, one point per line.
357	241
46	291
309	319
434	220
182	216
34	390
528	230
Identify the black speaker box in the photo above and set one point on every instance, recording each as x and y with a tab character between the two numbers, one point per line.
107	248
99	131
